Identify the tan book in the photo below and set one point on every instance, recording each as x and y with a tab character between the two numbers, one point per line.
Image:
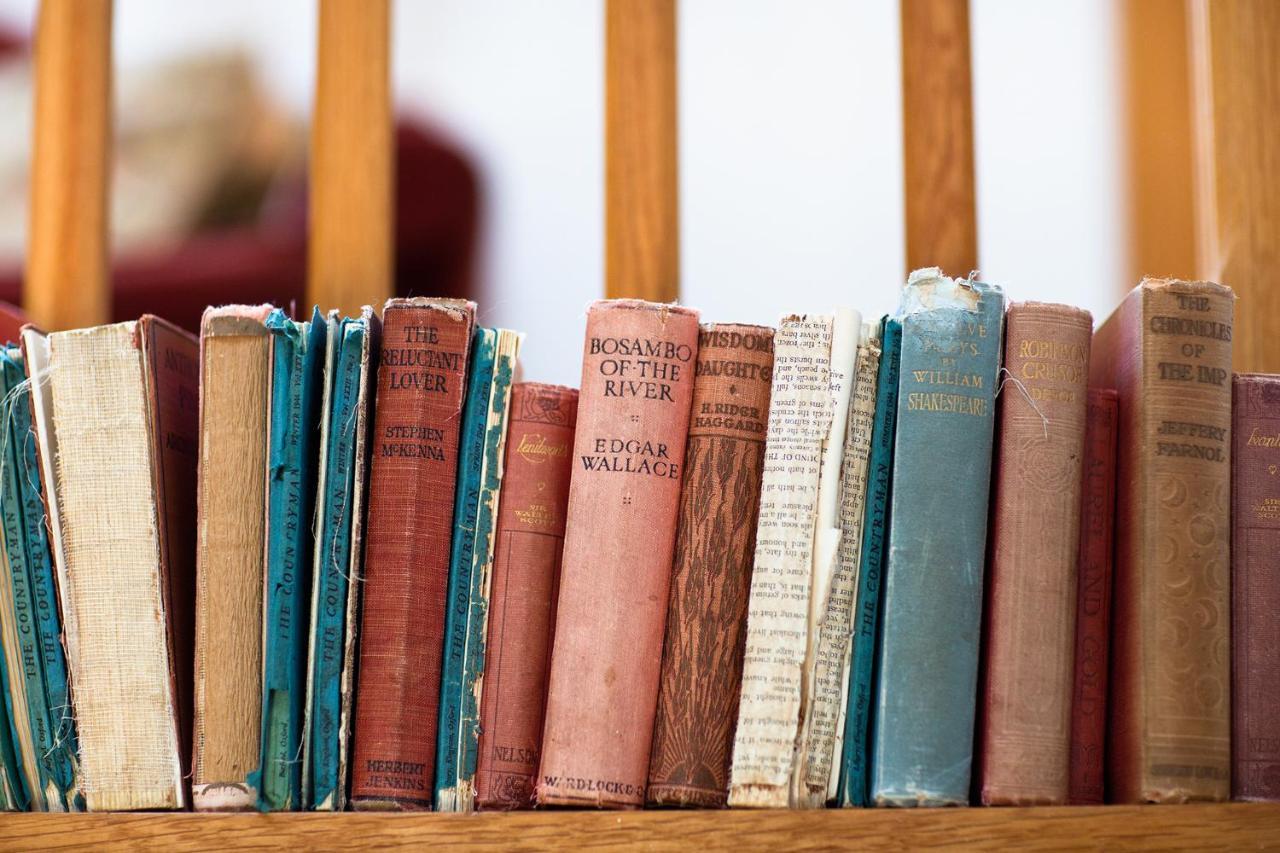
231	519
115	420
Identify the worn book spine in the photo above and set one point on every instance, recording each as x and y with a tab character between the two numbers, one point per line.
1093	600
851	789
922	745
711	573
421	380
633	418
778	609
13	794
1255	588
526	570
1024	730
1167	352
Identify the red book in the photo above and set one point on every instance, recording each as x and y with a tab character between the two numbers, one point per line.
526	573
1093	600
421	377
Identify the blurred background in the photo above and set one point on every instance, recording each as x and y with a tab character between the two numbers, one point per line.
790	152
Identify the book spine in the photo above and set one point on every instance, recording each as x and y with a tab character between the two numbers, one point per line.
466	510
1169	732
633	419
1093	600
12	790
852	786
526	570
421	380
778	609
711	573
1024	711
1255	588
922	745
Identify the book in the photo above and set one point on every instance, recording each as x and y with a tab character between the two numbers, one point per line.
633	419
1024	706
800	414
116	417
235	385
480	469
335	587
528	544
851	787
297	358
13	795
922	738
1255	587
701	675
1093	600
421	381
1167	352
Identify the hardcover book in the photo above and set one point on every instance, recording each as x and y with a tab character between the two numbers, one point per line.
922	741
633	418
1167	352
1093	600
711	573
1024	714
526	572
421	380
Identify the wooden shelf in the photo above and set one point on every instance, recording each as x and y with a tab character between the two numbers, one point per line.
1195	827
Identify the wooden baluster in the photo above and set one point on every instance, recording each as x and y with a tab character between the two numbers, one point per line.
1235	62
350	249
642	220
68	283
937	109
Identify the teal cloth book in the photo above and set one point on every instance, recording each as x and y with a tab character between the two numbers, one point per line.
297	349
333	594
13	794
922	745
852	787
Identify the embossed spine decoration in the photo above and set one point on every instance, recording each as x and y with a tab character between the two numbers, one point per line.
711	573
1167	352
1025	704
633	419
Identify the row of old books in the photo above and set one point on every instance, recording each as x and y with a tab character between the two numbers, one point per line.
353	562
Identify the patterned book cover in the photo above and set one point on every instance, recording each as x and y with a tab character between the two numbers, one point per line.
922	740
711	573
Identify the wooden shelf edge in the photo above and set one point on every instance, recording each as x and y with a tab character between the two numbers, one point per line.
1231	825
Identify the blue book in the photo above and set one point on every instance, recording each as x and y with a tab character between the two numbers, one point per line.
922	745
13	793
852	787
333	596
296	352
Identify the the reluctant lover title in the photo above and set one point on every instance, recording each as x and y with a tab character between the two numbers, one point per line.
415	361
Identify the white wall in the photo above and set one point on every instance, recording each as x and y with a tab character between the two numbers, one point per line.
790	147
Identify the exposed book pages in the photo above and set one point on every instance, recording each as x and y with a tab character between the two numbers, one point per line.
1167	352
297	353
421	380
711	571
922	745
526	573
1024	729
335	566
235	377
1093	600
633	419
851	787
778	613
120	405
1255	588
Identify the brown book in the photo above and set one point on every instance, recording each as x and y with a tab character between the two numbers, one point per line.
1255	588
711	575
1025	708
1167	352
526	575
1093	600
235	375
628	455
421	377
